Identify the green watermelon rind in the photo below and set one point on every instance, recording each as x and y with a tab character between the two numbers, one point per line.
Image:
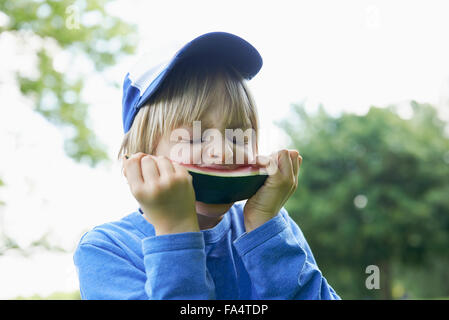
226	186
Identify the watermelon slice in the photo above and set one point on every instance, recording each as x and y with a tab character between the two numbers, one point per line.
215	185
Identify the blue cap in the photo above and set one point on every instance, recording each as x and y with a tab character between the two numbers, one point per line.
142	82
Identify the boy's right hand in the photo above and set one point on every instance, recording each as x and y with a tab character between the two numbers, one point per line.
164	191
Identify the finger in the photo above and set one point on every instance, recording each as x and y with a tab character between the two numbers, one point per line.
132	168
182	171
262	160
150	170
272	165
165	166
285	163
295	162
179	169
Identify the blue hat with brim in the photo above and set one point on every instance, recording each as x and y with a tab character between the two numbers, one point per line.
141	83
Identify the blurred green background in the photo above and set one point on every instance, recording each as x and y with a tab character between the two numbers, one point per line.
373	189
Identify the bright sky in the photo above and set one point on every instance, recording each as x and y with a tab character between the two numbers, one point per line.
347	55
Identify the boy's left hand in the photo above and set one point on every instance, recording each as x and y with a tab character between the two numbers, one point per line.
283	167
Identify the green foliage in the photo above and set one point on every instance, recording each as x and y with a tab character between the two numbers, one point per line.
54	296
415	282
372	190
82	29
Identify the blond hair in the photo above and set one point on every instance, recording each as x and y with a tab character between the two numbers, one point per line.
189	91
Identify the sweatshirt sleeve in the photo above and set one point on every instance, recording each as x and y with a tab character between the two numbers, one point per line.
280	263
174	268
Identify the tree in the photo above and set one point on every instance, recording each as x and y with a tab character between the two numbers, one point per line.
372	191
81	30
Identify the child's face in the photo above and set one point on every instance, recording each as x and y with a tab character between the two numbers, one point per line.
226	154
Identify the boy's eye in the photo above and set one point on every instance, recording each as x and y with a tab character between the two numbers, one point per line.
239	141
194	141
234	141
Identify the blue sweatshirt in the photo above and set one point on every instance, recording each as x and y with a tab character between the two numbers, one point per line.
125	260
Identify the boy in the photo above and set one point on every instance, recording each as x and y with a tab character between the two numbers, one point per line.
175	247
